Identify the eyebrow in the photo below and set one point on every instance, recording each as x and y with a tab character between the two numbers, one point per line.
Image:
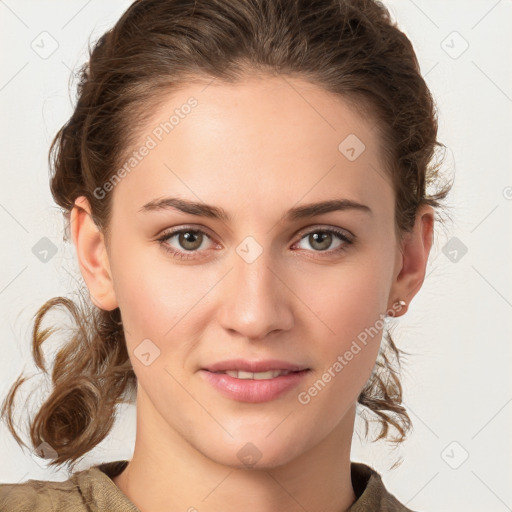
215	212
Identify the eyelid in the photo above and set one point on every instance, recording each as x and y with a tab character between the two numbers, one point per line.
166	233
325	227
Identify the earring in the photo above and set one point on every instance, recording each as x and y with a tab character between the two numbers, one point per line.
392	312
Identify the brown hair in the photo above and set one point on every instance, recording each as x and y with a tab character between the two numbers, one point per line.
349	47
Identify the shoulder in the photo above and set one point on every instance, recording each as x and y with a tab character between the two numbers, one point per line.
41	496
86	491
371	494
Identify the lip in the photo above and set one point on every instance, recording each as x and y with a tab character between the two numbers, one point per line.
254	366
252	390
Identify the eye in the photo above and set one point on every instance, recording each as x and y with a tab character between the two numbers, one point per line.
322	239
187	241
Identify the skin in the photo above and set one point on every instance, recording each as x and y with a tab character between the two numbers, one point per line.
256	149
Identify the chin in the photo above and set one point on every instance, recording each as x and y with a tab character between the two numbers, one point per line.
256	455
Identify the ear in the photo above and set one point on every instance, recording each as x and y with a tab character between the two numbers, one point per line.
412	260
92	255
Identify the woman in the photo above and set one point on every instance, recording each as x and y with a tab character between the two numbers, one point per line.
246	188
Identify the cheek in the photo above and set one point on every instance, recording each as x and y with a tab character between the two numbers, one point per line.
162	302
345	355
153	293
347	300
156	305
348	306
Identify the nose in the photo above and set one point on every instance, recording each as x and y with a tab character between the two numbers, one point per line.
255	299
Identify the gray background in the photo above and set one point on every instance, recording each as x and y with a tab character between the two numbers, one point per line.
458	387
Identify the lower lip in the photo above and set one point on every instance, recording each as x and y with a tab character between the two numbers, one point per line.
253	390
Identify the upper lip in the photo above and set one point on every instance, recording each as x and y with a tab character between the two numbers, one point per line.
253	366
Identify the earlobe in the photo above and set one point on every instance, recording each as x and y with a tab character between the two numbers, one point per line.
414	258
92	255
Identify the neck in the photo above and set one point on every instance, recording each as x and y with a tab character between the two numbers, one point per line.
168	473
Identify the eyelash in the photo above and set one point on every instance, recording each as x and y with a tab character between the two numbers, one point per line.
182	255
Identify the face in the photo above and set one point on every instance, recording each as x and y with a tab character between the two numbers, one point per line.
256	276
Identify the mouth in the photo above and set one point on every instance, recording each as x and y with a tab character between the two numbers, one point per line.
247	369
269	374
254	381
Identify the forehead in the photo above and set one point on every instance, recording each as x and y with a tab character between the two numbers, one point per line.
268	141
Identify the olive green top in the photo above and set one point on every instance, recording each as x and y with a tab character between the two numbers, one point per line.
93	490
